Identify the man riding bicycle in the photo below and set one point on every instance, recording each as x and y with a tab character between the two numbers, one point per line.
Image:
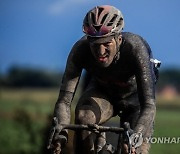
122	79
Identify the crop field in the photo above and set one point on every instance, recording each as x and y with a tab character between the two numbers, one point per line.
25	117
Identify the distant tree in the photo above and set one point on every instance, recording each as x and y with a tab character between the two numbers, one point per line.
29	77
169	77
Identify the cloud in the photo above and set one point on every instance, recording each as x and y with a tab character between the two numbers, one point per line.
63	6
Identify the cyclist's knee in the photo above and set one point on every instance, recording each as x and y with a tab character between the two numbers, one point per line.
85	117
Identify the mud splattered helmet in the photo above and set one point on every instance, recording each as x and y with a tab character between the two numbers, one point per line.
103	21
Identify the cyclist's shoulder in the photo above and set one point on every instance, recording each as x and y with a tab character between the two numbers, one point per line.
81	44
80	51
80	47
132	38
135	42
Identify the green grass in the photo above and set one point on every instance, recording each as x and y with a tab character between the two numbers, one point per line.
24	117
167	125
167	122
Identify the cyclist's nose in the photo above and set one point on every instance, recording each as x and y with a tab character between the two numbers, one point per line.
102	49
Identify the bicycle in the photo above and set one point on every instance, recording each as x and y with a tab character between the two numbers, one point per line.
100	131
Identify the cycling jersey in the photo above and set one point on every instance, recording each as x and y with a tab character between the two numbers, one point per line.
132	72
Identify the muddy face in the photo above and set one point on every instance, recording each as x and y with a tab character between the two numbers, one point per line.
104	52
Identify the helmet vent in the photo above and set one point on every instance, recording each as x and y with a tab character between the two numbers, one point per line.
112	20
104	18
99	11
97	27
120	22
86	22
93	18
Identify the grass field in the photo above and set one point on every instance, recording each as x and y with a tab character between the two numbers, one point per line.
25	114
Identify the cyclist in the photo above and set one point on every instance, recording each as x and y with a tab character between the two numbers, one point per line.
122	79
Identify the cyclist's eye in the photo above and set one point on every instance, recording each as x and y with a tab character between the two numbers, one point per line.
107	44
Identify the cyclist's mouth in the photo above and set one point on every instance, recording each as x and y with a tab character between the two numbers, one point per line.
103	58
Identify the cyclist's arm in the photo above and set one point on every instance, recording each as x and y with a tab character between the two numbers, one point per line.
146	86
68	87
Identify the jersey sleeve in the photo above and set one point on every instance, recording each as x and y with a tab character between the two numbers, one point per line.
145	84
71	75
68	87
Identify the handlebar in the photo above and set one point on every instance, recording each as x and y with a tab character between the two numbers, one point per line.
125	131
92	127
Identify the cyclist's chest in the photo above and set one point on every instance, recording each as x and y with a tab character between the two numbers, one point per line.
117	74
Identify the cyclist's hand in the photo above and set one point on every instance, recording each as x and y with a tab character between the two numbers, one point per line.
57	138
136	140
57	148
58	144
126	151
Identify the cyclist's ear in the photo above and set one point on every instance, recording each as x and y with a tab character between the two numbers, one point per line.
118	39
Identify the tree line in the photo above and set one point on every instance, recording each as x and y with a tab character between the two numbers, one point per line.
170	77
30	77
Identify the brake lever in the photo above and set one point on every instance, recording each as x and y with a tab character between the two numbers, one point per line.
129	142
127	136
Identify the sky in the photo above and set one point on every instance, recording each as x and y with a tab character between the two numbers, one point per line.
41	33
